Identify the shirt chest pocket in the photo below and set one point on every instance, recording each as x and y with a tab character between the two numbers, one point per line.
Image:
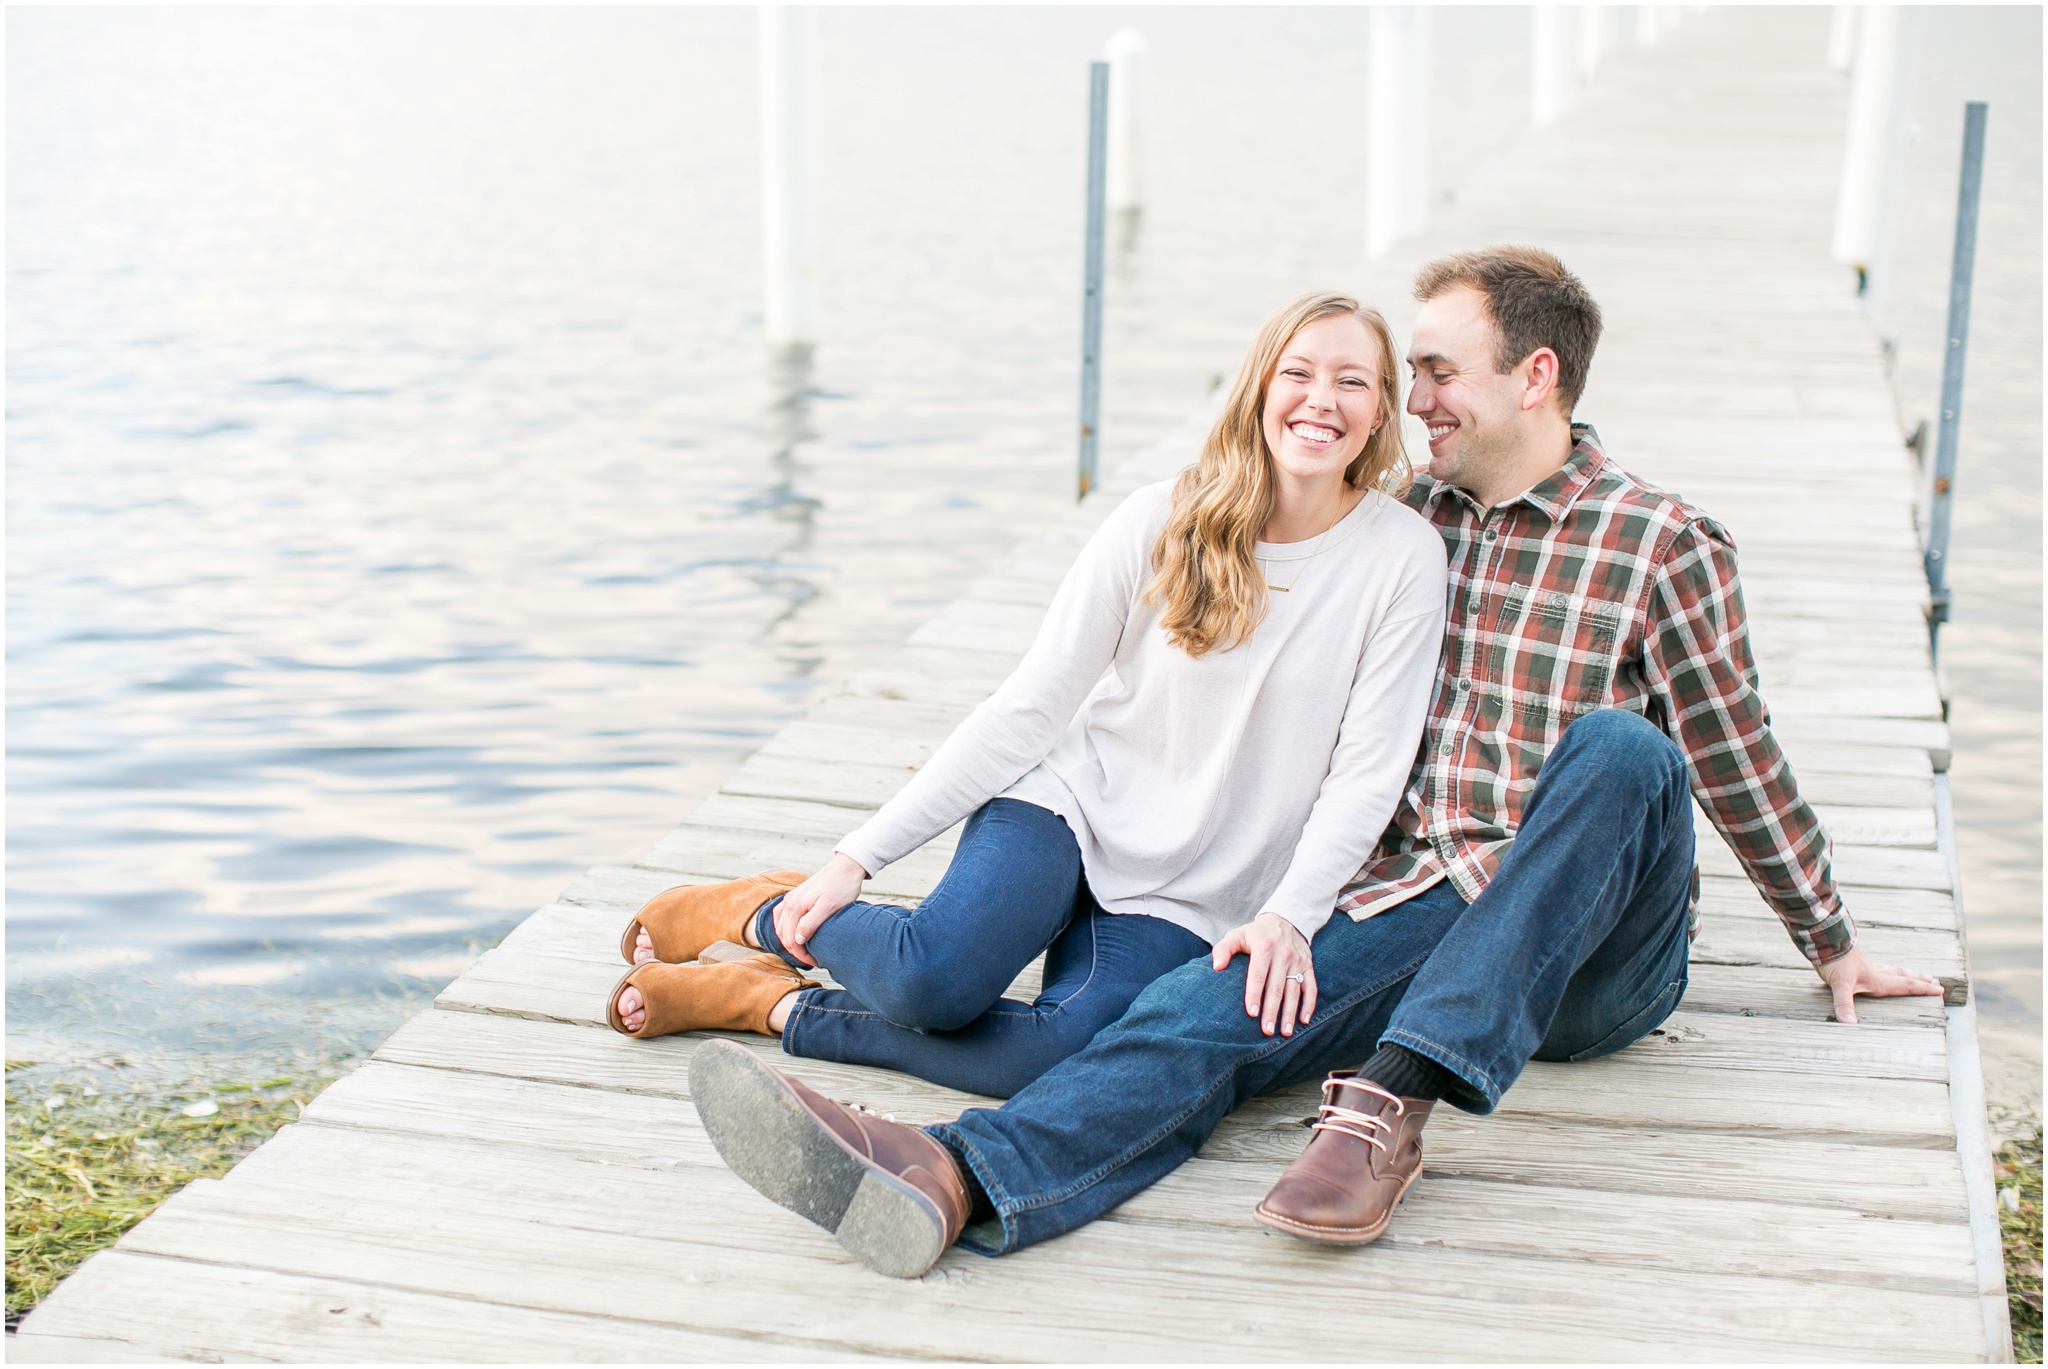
1555	652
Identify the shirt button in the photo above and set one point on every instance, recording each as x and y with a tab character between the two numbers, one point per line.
1464	685
1472	604
1489	534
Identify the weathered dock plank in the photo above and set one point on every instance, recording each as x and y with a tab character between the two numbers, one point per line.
173	1311
460	1218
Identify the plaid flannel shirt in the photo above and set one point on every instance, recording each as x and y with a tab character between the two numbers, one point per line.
1594	590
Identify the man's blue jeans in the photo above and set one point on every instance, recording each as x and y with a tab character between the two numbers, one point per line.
1575	949
924	986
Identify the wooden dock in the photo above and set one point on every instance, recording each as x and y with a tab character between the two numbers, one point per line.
509	1181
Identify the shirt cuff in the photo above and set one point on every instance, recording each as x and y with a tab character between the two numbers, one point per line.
1303	921
1831	938
860	854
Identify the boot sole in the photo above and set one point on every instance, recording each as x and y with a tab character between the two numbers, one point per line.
1335	1235
766	1135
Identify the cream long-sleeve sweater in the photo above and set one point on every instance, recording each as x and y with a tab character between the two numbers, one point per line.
1206	789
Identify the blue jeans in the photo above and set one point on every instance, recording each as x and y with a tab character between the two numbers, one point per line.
1575	949
924	986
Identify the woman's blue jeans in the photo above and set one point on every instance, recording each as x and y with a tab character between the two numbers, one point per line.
924	986
1575	949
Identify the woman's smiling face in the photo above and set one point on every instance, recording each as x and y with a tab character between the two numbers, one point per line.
1323	402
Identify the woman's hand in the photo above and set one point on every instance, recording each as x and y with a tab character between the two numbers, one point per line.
1280	986
804	909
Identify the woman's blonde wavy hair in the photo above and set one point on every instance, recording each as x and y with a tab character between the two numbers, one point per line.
1207	585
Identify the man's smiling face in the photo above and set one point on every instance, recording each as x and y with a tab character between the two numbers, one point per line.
1473	412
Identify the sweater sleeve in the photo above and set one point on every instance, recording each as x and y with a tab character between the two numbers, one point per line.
1376	744
1697	661
1018	725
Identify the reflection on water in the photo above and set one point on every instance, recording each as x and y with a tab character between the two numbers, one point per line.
788	428
403	514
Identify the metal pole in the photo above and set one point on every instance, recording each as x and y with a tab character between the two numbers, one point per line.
1960	272
1091	271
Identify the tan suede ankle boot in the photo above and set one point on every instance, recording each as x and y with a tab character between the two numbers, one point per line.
682	921
736	996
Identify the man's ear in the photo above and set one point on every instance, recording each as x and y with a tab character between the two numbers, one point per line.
1540	378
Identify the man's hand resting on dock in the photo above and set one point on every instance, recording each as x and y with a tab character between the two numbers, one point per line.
804	909
1851	974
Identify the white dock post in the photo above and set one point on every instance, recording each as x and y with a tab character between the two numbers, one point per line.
1877	280
1842	37
1550	62
1127	53
789	173
1873	98
1397	165
1592	23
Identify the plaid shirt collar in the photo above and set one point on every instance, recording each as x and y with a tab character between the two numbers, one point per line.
1554	495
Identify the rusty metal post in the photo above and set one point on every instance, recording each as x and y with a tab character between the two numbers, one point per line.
1091	272
1960	272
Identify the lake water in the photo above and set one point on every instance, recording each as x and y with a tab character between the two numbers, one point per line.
404	514
1991	651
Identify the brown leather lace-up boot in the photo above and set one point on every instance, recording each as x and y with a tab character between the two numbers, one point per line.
893	1196
682	921
1365	1155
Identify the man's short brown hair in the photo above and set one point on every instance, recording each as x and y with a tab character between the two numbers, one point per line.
1534	302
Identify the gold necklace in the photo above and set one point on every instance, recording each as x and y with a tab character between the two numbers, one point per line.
1321	538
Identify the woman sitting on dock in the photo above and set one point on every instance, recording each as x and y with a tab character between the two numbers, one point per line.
1203	744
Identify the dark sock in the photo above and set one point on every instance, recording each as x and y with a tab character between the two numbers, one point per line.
1405	1074
980	1209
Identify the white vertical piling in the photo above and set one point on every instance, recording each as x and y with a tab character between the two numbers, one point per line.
1874	96
1128	55
1900	131
790	136
1550	62
1842	37
1592	23
1397	160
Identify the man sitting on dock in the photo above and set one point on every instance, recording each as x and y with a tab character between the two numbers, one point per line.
1532	898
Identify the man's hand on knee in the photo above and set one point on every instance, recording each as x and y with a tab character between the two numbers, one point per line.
1852	973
